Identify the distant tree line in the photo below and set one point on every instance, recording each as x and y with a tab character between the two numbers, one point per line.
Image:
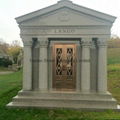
114	42
9	53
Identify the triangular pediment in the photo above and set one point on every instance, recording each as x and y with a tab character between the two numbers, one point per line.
65	16
65	13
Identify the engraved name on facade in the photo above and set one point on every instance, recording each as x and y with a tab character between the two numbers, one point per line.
64	30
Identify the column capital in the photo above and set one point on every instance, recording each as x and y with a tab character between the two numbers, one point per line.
27	43
93	44
102	43
43	42
27	40
86	42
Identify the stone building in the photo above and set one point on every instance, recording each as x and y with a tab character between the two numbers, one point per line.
65	61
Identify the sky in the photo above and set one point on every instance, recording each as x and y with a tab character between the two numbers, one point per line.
10	9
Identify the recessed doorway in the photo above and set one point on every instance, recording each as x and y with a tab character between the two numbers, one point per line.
64	67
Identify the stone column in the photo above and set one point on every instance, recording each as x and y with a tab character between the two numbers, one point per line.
43	65
78	66
102	66
27	65
85	66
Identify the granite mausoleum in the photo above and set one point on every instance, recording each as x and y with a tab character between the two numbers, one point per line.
65	60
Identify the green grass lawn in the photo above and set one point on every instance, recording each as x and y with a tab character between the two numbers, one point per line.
114	56
10	84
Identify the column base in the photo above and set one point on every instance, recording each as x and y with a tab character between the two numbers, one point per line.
43	91
85	92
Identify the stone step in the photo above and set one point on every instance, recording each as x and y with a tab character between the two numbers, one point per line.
32	99
70	100
63	103
65	95
62	98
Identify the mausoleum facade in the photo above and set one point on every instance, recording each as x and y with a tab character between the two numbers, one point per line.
65	58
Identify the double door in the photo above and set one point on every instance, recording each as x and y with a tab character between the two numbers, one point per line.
64	66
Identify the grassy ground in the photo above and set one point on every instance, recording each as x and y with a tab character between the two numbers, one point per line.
114	56
114	72
10	84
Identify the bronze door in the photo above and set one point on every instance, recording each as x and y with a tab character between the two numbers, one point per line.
64	67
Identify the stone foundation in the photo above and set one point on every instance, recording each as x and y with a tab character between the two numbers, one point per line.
69	100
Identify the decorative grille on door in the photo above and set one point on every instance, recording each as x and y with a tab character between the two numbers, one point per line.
64	66
59	61
69	61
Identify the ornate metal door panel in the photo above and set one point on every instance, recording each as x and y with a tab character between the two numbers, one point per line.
64	66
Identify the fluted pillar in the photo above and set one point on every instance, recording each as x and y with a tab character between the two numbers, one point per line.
43	64
27	65
102	66
85	66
